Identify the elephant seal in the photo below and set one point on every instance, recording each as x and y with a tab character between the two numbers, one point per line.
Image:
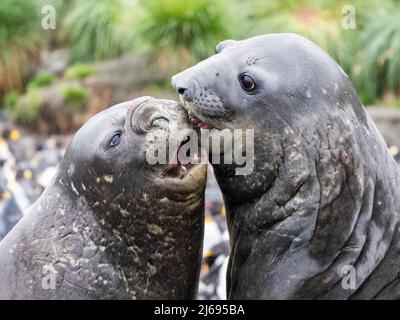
318	218
112	226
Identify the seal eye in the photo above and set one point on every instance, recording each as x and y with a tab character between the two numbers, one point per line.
158	120
115	140
247	82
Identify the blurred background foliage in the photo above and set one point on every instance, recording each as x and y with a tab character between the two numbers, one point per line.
188	28
175	34
20	37
99	29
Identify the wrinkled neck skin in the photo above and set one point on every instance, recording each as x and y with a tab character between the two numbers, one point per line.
122	244
324	193
154	241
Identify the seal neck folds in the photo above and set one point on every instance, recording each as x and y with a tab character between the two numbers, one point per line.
141	233
310	214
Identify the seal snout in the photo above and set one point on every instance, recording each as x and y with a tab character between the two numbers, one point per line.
183	87
186	94
199	101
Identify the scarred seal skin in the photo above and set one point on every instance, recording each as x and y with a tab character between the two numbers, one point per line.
324	196
112	226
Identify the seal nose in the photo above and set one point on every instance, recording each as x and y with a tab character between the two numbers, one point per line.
182	87
181	90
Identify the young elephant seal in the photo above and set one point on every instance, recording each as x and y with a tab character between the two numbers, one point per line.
319	215
112	226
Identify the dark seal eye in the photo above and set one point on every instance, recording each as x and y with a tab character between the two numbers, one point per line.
115	140
247	82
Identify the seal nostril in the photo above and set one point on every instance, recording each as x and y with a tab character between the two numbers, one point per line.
182	90
185	92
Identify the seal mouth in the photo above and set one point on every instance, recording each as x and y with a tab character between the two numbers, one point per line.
194	119
188	178
197	122
177	169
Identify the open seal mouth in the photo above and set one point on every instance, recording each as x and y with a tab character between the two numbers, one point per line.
185	174
177	169
197	122
192	118
200	124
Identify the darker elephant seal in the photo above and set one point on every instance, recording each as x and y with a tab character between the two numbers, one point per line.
319	215
112	226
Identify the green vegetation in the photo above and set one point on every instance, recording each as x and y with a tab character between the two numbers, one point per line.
19	37
74	94
376	70
11	99
194	26
43	79
27	110
79	71
99	29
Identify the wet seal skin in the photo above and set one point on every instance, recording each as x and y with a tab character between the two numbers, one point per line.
324	195
111	226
